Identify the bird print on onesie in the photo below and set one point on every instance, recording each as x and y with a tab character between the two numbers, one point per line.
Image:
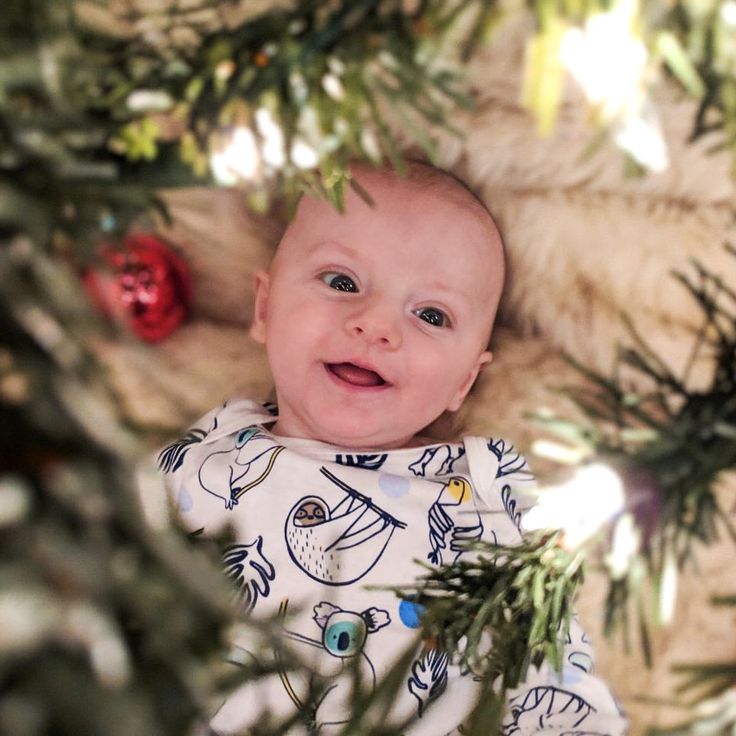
248	462
454	522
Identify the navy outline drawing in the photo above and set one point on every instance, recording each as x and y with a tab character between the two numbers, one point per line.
510	461
172	456
250	571
238	462
428	678
538	705
342	637
371	462
440	457
338	545
510	504
451	514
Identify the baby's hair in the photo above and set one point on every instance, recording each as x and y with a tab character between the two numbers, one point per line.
429	176
424	172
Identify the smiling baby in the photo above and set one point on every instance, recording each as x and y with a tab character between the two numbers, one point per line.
375	320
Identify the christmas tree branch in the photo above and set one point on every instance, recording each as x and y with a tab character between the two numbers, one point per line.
505	609
671	443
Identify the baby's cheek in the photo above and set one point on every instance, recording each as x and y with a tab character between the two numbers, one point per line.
438	377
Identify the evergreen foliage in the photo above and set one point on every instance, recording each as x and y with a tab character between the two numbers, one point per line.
108	625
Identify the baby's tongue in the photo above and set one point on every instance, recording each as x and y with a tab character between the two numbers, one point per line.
354	374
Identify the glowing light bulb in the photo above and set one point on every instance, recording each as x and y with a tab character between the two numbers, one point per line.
560	453
579	507
641	136
370	145
239	159
589	54
272	148
303	155
611	65
333	86
668	588
626	543
149	100
309	125
728	13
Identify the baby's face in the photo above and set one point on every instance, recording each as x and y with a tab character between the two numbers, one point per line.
376	321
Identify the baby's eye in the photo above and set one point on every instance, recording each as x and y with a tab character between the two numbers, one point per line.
435	317
339	281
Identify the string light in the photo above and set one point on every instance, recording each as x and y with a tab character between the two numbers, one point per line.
641	136
559	453
580	506
668	588
625	545
273	149
15	500
333	86
369	144
617	90
239	159
728	12
303	156
149	100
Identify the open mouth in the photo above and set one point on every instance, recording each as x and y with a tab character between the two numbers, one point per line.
356	375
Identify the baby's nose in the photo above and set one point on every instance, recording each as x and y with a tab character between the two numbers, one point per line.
376	326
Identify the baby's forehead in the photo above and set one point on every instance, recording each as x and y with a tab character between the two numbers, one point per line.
421	183
385	199
378	191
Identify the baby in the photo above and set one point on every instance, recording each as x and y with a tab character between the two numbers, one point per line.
375	322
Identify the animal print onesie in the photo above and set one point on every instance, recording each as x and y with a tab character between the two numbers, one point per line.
319	531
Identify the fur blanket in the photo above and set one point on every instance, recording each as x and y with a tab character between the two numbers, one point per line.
584	244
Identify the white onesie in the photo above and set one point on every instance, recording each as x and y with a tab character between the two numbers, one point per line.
319	531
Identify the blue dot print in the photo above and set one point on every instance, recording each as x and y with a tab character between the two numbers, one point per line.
393	486
411	614
184	501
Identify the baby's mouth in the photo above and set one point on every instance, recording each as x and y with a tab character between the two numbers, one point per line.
355	375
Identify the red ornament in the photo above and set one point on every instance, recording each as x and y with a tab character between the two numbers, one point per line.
149	289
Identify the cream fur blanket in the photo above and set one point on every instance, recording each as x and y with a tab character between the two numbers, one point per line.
584	243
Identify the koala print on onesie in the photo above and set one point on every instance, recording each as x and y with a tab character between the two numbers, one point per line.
319	531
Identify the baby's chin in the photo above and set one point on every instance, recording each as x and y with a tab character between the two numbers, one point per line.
350	436
357	436
352	428
362	441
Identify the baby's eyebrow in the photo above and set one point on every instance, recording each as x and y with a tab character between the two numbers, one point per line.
450	291
332	245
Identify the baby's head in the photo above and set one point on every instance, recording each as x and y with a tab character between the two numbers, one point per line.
377	320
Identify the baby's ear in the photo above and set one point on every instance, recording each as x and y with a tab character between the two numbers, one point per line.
483	359
260	307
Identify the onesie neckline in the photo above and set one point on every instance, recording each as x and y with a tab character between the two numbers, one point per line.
303	443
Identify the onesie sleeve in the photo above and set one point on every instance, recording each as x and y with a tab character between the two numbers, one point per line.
197	467
575	702
172	460
503	483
